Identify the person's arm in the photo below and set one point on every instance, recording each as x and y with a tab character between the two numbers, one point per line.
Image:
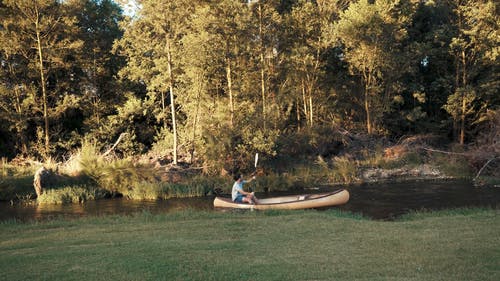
251	179
244	192
247	181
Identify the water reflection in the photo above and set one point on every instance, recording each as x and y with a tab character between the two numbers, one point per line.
387	201
378	201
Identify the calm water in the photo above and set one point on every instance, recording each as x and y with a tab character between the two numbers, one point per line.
378	201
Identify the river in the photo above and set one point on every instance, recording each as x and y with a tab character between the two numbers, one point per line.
381	201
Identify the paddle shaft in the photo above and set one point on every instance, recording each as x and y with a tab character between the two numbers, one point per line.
255	163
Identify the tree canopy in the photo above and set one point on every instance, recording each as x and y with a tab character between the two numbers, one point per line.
214	81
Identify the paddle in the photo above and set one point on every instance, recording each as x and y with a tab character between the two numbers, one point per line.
255	164
256	160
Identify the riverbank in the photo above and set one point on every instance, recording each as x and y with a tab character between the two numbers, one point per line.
89	176
298	245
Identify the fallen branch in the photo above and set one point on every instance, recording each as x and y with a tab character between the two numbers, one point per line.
484	166
445	152
114	145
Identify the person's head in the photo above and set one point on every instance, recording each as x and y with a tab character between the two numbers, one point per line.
237	177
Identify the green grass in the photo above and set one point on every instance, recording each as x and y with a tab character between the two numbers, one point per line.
71	194
278	245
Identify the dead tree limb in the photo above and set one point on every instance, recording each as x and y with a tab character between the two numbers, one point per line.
445	152
114	145
482	168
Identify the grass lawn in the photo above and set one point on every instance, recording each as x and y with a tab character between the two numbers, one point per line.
297	245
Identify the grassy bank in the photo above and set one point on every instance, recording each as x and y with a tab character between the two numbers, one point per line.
308	245
87	175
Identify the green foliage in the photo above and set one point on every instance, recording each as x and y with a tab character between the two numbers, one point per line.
145	190
272	182
191	187
344	170
453	165
114	175
218	81
70	194
172	190
460	100
16	182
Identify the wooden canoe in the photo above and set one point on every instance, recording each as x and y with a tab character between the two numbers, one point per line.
291	202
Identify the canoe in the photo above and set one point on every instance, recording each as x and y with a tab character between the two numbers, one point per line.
291	202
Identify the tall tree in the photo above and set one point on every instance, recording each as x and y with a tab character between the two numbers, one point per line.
425	83
45	36
230	31
369	36
265	23
98	21
310	24
475	49
16	95
151	44
197	100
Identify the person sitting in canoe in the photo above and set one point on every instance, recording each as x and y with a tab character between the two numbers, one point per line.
239	195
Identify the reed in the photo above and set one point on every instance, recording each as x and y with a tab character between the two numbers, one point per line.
455	166
71	194
197	186
144	190
344	171
115	175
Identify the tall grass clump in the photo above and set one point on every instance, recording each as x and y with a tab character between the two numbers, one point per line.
145	190
115	175
176	190
455	166
344	170
148	190
70	194
308	175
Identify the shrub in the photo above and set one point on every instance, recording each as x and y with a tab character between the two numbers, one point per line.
453	165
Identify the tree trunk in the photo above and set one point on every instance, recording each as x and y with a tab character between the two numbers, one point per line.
172	103
369	127
195	119
368	117
230	91
310	108
464	102
262	67
44	90
304	101
298	115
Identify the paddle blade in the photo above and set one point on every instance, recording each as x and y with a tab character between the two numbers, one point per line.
256	159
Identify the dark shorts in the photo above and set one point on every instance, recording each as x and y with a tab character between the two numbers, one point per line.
239	198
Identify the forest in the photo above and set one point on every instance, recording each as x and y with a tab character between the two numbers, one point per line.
212	82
